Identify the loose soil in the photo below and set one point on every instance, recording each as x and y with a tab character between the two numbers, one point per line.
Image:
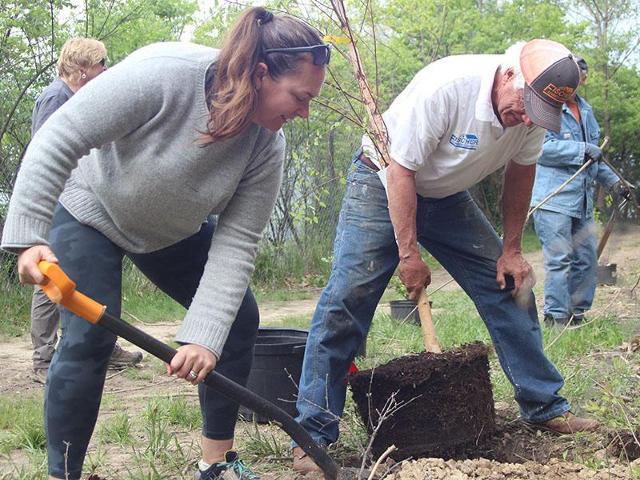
427	404
515	451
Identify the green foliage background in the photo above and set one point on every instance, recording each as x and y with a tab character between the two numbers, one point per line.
396	39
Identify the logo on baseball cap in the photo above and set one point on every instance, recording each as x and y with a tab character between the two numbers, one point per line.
551	76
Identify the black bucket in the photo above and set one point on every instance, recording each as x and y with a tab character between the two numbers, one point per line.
405	310
277	365
607	274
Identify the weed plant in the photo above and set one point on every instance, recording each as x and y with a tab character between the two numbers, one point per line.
21	425
117	430
15	305
176	411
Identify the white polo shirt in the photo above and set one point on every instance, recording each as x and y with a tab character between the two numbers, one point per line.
443	127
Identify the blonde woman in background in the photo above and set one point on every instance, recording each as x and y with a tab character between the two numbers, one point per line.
81	60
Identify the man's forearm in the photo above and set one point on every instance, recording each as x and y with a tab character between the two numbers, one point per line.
401	190
516	195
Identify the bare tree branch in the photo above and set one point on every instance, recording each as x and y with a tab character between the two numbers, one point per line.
19	99
380	136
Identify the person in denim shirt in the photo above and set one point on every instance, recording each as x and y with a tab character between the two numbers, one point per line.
564	223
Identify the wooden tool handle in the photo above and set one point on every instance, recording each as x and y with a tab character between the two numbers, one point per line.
426	322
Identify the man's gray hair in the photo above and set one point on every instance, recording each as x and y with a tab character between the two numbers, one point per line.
512	60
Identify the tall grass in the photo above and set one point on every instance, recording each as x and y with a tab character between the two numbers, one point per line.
21	424
292	265
15	305
142	300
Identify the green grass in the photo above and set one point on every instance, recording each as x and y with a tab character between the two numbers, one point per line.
290	321
33	467
160	454
15	305
530	242
282	274
21	424
117	430
175	411
264	443
144	301
279	267
279	295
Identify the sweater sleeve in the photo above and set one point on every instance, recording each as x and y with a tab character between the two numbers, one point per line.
605	176
232	253
115	103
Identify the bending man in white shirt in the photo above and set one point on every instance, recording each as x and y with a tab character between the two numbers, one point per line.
460	119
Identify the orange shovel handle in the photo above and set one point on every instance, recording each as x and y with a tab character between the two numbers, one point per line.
62	290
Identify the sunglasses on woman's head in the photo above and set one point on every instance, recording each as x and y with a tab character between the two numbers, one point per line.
321	53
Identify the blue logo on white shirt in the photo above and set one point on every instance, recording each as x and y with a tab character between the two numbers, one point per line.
468	141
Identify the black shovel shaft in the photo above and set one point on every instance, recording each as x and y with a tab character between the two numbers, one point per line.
229	389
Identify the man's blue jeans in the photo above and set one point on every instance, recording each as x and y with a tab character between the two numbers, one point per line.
78	369
457	234
570	263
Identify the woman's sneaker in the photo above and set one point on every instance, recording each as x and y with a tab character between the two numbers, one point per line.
231	469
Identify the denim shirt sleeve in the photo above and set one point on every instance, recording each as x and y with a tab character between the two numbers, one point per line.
605	176
558	152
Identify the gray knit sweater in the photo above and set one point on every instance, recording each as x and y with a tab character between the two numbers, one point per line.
144	182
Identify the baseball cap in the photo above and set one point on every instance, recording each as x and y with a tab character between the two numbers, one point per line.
551	76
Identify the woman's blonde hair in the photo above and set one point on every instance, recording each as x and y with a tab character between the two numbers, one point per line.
233	97
79	54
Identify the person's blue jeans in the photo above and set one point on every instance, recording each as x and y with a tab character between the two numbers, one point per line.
457	234
78	369
570	263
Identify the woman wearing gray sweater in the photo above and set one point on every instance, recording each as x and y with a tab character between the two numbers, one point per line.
137	163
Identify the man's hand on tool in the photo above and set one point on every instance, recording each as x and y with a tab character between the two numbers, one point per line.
621	189
414	274
28	259
514	264
592	151
192	358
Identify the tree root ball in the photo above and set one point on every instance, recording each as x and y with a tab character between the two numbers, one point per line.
432	405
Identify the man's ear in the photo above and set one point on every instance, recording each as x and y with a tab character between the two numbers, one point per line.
508	75
261	71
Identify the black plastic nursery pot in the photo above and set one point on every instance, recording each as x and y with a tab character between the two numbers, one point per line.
276	370
607	274
405	310
277	365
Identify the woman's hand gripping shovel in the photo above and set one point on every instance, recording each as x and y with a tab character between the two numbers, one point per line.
62	290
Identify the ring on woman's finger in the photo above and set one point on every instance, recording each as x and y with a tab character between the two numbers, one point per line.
192	375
